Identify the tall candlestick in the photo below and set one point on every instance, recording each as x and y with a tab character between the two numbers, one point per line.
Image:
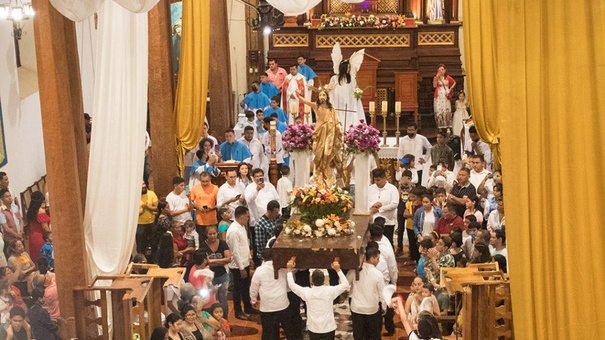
372	113
384	122
372	107
385	107
397	107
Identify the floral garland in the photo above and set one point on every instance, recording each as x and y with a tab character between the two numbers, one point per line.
323	210
362	138
298	137
353	21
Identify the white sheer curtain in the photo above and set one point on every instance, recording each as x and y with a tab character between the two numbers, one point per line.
78	10
290	7
117	144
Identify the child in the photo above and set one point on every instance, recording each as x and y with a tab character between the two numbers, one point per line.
47	250
6	303
284	189
408	162
217	313
413	203
440	198
429	301
226	215
258	123
424	247
192	237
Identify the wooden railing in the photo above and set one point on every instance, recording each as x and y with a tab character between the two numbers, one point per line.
133	304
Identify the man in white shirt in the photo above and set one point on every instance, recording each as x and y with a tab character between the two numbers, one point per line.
481	178
231	193
388	256
178	202
255	146
265	139
258	195
383	199
479	147
319	299
417	145
498	243
274	303
237	240
366	297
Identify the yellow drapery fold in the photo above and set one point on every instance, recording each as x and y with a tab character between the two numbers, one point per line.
536	73
192	87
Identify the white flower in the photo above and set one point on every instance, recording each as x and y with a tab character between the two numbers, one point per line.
351	224
319	222
288	231
332	232
318	233
307	228
337	224
296	231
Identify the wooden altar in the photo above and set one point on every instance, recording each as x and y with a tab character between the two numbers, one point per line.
320	252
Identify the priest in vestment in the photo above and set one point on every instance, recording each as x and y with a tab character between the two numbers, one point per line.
293	84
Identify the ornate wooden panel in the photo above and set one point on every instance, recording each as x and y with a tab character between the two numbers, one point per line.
406	90
436	38
290	40
338	7
388	6
361	41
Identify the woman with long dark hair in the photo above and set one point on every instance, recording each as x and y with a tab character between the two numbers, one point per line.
38	222
163	221
444	87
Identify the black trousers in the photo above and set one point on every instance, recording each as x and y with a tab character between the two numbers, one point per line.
400	224
389	325
414	252
241	291
367	327
271	321
322	336
295	318
388	232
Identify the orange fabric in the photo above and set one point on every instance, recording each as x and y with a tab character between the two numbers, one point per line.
200	197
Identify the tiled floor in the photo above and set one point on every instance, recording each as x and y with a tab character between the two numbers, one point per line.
249	330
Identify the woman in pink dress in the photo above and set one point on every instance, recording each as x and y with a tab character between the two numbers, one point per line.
38	222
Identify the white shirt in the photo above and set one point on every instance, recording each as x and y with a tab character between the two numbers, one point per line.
284	189
257	151
320	313
386	252
258	199
273	293
366	292
237	240
279	148
179	202
477	177
502	252
226	192
494	221
414	172
415	146
484	148
388	195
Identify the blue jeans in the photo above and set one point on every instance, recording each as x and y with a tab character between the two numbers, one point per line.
221	293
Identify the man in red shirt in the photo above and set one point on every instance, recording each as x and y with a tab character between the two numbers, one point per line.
449	221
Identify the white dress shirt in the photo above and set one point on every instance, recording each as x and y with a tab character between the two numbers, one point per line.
415	146
226	192
237	240
388	195
256	150
257	200
477	177
484	148
179	202
386	252
279	148
366	292
320	313
284	189
273	293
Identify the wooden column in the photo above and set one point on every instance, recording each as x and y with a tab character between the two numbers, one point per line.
220	115
64	144
161	99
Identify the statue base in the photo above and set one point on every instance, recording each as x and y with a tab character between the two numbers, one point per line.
320	252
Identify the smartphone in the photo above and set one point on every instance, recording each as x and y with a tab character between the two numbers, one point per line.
205	207
261	180
238	196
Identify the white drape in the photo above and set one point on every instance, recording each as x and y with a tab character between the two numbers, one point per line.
78	10
289	7
117	143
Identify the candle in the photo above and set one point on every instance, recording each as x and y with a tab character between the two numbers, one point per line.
385	106
372	107
293	109
273	124
397	106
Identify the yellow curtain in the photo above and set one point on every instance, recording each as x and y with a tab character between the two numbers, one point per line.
192	88
536	71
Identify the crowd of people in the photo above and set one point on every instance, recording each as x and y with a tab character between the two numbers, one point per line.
29	303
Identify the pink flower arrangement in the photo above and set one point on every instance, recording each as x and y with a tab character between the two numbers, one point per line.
298	137
362	138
